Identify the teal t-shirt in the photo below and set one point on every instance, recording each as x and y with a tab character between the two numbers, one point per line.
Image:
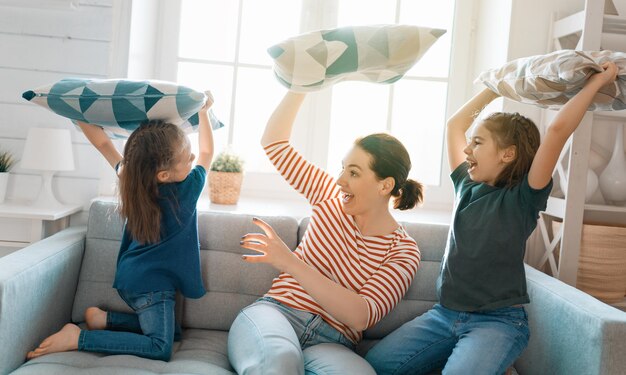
483	265
173	263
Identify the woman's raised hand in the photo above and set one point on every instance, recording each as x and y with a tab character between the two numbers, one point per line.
271	248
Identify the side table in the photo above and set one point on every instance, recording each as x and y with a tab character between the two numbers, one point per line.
22	224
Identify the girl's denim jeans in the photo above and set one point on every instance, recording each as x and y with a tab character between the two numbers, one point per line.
148	333
269	337
485	342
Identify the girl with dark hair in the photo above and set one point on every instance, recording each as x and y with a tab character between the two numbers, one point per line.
502	178
159	252
354	264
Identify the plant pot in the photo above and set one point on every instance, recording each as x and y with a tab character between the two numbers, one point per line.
224	187
4	182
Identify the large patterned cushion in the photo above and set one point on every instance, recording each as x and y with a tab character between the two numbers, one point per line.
121	105
550	80
379	53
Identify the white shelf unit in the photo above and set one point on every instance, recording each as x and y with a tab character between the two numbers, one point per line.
587	30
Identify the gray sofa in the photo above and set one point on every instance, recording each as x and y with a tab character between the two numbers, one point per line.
50	283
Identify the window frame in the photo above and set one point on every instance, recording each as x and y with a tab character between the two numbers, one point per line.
312	126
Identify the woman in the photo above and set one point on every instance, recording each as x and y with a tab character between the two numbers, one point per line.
354	264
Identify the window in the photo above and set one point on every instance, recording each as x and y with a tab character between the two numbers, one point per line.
221	45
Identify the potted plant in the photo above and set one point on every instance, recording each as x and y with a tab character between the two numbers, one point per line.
225	178
6	162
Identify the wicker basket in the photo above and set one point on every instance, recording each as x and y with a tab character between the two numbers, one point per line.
602	262
224	187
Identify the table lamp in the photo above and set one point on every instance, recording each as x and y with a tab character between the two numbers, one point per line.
48	150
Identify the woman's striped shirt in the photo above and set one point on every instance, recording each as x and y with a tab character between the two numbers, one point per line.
378	268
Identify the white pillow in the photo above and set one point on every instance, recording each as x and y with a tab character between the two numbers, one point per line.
550	80
377	53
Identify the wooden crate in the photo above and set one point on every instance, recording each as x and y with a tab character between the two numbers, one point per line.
602	262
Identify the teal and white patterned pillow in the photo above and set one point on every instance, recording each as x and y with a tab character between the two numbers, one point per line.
377	53
121	105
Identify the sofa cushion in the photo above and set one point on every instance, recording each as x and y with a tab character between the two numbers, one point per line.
199	352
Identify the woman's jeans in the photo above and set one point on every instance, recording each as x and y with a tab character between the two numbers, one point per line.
485	342
268	337
148	333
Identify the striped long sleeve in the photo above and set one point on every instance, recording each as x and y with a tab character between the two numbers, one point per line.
378	268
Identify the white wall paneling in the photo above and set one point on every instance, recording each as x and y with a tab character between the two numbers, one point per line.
18	80
84	23
54	54
41	45
16	119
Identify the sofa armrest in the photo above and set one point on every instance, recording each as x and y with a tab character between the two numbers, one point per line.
571	332
37	287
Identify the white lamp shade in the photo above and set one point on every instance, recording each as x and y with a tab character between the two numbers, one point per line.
48	150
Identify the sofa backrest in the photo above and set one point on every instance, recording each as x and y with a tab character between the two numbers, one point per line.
104	233
232	283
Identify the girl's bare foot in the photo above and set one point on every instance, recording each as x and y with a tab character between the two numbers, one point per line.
95	318
64	340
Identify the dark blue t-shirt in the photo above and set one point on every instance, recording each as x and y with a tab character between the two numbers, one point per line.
483	265
174	262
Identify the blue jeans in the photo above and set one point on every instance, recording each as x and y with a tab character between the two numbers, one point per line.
269	337
148	333
485	342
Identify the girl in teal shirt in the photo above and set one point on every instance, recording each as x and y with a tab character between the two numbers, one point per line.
502	178
159	253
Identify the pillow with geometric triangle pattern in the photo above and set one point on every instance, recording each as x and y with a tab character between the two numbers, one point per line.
121	105
370	53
